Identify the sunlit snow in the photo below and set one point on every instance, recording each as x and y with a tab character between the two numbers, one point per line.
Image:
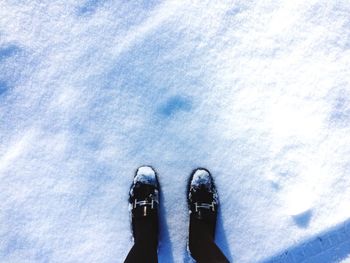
255	91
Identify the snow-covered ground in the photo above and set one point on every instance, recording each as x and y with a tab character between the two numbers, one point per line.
258	92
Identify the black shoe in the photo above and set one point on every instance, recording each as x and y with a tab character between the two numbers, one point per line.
203	199
144	198
203	205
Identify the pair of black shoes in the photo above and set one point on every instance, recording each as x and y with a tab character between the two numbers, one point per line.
202	198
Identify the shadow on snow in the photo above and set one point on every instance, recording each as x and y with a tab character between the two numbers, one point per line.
330	246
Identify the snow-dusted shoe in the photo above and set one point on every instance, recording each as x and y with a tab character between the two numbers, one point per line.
144	196
202	196
144	202
203	204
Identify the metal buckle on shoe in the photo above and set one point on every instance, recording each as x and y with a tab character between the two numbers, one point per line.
205	206
144	203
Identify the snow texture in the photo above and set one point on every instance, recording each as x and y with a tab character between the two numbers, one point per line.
256	91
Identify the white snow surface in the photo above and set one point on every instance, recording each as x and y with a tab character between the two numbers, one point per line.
256	91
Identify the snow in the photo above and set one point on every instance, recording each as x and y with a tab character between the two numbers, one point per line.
200	177
255	91
145	174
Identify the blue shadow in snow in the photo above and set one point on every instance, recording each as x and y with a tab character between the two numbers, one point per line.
174	105
13	244
150	4
3	87
89	7
8	51
330	246
303	219
221	239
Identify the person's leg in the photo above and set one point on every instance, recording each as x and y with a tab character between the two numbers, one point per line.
201	243
203	204
144	201
146	241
